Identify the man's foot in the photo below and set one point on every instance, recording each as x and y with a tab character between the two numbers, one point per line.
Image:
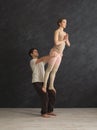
45	115
44	89
51	113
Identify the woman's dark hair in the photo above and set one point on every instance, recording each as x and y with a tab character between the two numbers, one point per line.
59	21
31	51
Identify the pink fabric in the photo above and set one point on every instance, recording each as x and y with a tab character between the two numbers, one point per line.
55	58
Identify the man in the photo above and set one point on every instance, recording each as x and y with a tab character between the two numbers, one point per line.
38	72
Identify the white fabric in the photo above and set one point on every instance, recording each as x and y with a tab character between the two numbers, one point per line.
38	71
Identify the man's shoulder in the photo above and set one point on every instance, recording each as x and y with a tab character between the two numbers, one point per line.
32	61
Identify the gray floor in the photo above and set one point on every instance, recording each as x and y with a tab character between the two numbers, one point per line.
66	119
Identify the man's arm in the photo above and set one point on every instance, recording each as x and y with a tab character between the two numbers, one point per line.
43	59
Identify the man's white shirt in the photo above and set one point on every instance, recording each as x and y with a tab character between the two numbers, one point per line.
38	71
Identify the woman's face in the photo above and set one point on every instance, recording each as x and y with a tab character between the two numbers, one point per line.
63	23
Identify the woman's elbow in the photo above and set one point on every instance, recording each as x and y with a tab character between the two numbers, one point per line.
56	43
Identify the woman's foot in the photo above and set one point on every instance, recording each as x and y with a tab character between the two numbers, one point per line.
53	89
45	115
44	89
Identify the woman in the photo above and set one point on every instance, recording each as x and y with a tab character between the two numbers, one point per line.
55	56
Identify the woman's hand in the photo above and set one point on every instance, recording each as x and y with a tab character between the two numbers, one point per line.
66	37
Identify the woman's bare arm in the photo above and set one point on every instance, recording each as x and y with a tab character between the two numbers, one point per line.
67	40
56	41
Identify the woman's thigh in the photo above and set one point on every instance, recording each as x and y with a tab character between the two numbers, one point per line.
53	57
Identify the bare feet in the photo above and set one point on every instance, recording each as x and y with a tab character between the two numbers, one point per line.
45	115
51	113
53	89
44	89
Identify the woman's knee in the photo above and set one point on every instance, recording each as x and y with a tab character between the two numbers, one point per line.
53	71
49	68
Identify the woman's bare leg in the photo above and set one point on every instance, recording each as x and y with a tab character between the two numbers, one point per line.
51	63
53	73
47	73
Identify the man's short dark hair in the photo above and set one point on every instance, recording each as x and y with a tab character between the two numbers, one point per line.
31	51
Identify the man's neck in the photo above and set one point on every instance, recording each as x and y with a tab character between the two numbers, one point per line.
35	57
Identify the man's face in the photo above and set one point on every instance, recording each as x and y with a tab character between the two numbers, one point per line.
35	53
63	23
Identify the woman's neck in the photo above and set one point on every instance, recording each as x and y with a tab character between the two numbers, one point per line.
61	28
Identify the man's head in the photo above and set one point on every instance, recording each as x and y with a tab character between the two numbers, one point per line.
33	52
62	22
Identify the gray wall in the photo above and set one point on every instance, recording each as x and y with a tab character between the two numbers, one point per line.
31	23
